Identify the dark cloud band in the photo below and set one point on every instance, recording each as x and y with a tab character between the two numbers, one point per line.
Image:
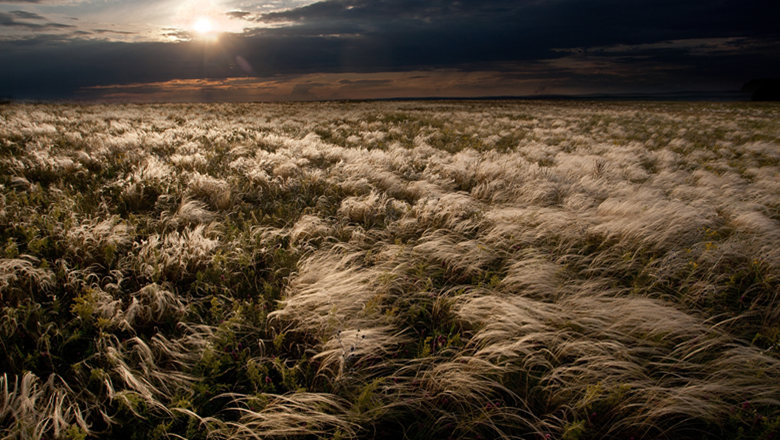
599	44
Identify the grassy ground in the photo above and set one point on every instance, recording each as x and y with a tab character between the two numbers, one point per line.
424	270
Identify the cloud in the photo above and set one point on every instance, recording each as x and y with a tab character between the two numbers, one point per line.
468	34
700	58
44	2
177	34
559	23
322	86
693	46
24	15
9	20
237	14
109	31
370	82
416	10
556	46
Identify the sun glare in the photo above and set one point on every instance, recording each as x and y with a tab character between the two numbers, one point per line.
203	26
203	20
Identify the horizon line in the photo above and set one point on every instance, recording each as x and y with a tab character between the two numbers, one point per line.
673	96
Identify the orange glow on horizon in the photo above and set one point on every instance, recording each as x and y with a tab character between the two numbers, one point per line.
326	86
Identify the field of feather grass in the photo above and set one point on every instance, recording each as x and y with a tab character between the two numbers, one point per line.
421	270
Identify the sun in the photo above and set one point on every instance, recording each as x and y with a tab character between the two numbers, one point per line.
202	26
202	20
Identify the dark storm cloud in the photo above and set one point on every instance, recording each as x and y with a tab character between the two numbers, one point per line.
365	35
612	44
48	66
565	20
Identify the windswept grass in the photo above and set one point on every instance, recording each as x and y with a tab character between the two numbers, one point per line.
390	270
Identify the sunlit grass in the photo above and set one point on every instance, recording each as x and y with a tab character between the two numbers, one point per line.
417	270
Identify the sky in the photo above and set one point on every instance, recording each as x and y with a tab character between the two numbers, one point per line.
278	50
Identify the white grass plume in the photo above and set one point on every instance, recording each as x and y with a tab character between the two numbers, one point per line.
175	254
32	409
19	275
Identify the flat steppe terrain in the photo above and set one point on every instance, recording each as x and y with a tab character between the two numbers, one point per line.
427	270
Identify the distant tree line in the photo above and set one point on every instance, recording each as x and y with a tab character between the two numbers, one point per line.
766	89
